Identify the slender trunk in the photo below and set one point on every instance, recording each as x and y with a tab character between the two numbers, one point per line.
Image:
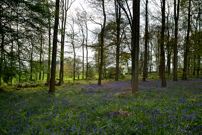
74	62
135	44
49	49
41	51
184	74
199	43
162	59
198	65
102	43
19	68
1	61
53	67
146	43
43	68
151	59
194	70
31	62
12	63
176	17
83	58
118	20
86	51
168	49
62	46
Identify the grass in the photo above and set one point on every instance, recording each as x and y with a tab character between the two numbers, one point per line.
107	109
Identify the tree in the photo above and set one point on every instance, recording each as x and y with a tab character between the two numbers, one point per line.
53	67
176	17
102	43
134	22
118	41
186	50
20	21
162	59
145	70
72	38
66	4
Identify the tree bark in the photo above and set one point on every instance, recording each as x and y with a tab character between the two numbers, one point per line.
162	60
49	49
146	43
31	62
102	43
86	49
53	67
83	58
176	17
1	62
64	19
184	74
118	21
135	44
168	48
41	51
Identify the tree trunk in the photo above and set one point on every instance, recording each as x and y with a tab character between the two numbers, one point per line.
151	58
31	62
146	44
135	44
83	58
184	74
19	68
194	70
41	51
168	48
1	61
198	65
118	21
53	67
102	43
49	50
176	17
64	19
74	62
162	60
86	50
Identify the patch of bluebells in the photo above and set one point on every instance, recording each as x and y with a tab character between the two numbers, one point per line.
88	109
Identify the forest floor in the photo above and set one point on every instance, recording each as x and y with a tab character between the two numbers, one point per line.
107	109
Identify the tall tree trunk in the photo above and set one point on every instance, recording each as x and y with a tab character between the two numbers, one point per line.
83	58
168	48
102	43
49	49
53	67
43	68
135	44
41	51
2	52
199	43
31	62
19	63
118	21
74	61
146	43
162	60
86	50
198	65
64	17
184	74
151	58
194	70
176	17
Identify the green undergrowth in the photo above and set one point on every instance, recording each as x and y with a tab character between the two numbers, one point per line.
108	109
